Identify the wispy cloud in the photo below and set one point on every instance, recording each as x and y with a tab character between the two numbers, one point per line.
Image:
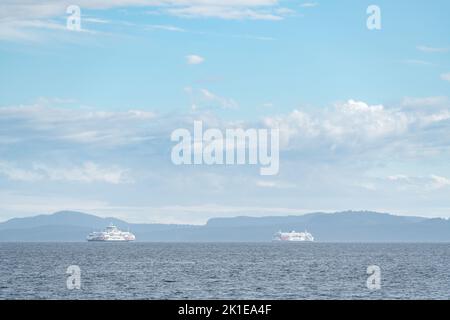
275	184
356	126
48	8
165	28
438	102
205	99
25	29
428	49
445	76
326	151
222	12
418	62
80	125
309	5
194	59
212	98
18	18
96	20
431	182
88	172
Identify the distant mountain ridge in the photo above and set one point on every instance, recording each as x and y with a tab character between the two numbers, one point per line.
62	218
348	226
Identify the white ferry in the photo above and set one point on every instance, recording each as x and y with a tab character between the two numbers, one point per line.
111	233
293	236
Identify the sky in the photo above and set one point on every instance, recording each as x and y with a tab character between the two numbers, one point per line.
86	116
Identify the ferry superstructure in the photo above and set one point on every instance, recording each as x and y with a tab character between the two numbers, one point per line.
293	236
111	233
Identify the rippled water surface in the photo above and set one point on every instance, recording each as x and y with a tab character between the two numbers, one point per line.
224	271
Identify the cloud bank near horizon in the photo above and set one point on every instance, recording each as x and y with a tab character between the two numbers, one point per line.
350	155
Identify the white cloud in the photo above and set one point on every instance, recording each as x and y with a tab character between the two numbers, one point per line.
14	173
223	12
42	113
309	5
225	103
369	134
204	99
83	125
426	111
345	124
274	184
19	17
13	10
432	49
194	59
352	125
88	172
418	62
49	8
428	183
445	76
427	102
20	29
165	27
329	159
439	182
325	164
285	11
296	124
267	104
96	20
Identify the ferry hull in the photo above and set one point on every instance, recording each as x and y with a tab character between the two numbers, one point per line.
110	240
293	237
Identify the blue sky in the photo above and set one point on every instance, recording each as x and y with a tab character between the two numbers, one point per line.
86	116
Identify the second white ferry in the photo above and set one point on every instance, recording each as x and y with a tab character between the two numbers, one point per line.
111	233
293	236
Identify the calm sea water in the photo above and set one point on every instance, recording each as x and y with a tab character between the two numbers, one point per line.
224	271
